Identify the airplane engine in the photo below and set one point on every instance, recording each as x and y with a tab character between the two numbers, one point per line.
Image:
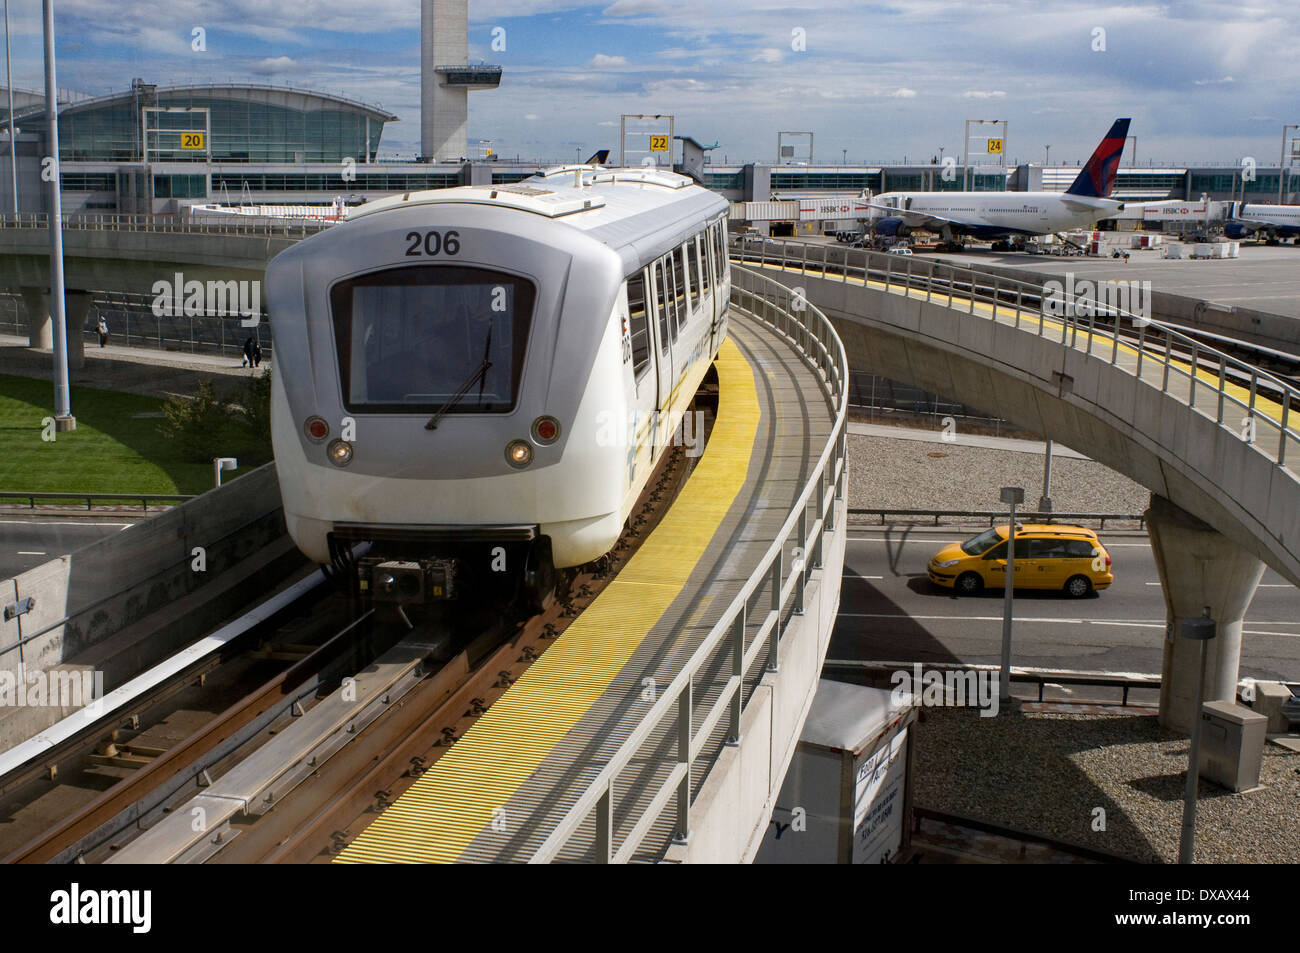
892	227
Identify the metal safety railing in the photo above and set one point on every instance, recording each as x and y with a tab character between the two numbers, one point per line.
1030	516
257	225
728	643
51	499
1221	382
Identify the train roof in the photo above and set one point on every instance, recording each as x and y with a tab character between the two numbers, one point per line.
640	213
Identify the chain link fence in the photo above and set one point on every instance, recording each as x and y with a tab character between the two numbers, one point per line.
132	322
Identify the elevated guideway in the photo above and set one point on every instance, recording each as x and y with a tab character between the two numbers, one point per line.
660	724
1214	438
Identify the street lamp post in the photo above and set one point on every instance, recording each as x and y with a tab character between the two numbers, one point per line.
9	88
1047	153
1045	501
1202	630
1281	166
1011	495
63	419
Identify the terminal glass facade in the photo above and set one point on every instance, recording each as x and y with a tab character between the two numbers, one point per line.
288	181
243	129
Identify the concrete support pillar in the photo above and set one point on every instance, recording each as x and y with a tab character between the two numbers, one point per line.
40	328
1198	567
76	308
40	325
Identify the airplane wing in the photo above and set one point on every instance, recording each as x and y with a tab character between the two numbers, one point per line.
925	220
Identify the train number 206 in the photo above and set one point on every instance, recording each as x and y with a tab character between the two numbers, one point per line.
433	243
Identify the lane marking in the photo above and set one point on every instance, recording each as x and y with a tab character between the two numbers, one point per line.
1132	623
24	552
1262	585
1024	669
67	522
457	799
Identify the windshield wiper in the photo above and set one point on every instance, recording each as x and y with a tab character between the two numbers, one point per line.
478	374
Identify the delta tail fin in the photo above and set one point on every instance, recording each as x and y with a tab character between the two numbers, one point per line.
1097	178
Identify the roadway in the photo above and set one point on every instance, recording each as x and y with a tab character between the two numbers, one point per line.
890	611
28	541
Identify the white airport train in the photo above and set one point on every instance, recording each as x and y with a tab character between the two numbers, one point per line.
1006	215
483	372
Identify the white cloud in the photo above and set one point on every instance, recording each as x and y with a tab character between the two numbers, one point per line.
601	61
532	117
1215	82
902	93
984	94
768	55
276	64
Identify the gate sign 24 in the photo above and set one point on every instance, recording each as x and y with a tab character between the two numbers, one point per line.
995	146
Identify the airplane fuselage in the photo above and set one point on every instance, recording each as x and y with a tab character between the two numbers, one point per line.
999	214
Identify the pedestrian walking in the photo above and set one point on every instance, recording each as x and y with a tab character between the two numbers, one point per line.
103	331
257	354
249	345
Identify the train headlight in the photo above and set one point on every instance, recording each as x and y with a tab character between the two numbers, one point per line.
316	429
546	430
339	452
519	454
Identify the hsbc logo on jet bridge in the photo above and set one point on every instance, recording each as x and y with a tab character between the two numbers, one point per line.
831	208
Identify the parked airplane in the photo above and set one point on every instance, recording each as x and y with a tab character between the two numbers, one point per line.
1008	214
1272	221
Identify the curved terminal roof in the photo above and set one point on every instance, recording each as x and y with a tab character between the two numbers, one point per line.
286	96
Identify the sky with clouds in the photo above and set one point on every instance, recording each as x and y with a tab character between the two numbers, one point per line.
1204	82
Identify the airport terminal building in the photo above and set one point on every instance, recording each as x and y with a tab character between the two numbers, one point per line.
153	150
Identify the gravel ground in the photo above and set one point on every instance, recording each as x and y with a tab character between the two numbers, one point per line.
908	474
1049	772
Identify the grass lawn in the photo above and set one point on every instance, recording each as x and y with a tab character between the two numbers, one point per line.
113	450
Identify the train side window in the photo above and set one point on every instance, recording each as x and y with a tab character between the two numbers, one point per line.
679	286
673	297
690	256
702	260
636	315
720	251
661	303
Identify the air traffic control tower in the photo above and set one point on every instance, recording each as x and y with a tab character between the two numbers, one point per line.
446	79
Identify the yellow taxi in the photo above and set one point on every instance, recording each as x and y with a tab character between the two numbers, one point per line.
1048	556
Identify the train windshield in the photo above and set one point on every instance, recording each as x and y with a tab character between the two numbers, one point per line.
414	339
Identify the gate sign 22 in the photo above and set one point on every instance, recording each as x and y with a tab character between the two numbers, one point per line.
658	143
995	146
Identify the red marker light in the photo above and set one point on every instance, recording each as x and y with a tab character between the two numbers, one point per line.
545	430
317	429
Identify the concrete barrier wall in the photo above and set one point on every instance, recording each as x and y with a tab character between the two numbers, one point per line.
129	585
734	805
131	261
1101	411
